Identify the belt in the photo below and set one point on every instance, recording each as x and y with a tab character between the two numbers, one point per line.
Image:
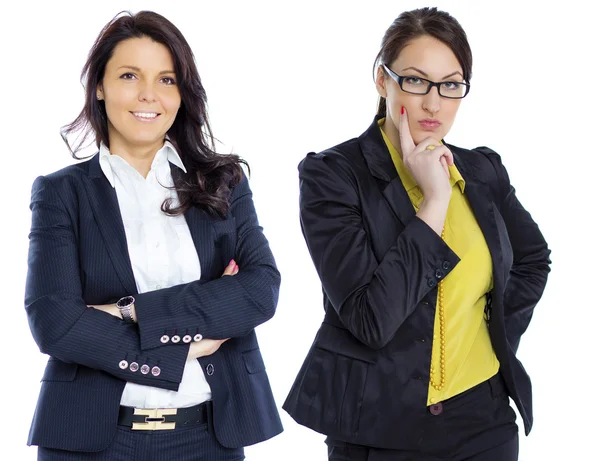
160	419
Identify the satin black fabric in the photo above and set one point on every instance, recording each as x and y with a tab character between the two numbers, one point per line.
476	425
365	378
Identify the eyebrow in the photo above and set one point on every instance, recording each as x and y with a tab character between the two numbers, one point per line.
424	74
137	69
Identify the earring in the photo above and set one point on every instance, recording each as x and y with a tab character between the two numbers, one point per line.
98	97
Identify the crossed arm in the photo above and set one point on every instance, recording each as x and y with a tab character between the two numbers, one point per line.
65	327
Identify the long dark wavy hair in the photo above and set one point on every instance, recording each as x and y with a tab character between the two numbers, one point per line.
210	176
416	23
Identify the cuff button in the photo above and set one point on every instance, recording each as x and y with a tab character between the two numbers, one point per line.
145	369
155	371
187	339
175	339
164	339
123	364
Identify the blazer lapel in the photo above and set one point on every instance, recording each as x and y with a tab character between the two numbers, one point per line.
201	230
105	206
484	211
381	166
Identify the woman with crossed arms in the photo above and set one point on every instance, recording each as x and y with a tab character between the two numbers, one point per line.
153	353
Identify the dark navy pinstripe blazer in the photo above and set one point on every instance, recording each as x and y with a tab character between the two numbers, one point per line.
78	256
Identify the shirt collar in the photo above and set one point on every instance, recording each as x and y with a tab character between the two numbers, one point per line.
405	176
167	150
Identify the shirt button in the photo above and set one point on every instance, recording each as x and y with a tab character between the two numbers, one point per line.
164	339
210	369
145	369
123	364
155	371
187	339
175	339
198	337
134	366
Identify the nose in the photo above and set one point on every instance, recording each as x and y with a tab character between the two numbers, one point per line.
146	92
431	101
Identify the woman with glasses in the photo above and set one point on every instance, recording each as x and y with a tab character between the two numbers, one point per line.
430	268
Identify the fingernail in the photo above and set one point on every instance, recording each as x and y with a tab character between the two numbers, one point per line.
402	110
236	268
232	262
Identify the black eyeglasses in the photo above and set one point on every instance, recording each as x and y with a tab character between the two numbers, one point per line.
418	85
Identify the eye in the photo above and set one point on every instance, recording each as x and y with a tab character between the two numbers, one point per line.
128	76
451	86
414	81
168	81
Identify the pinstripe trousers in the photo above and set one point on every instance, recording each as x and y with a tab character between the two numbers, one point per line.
196	443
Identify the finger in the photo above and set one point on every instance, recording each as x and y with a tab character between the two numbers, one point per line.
422	146
407	144
448	156
229	269
236	270
445	165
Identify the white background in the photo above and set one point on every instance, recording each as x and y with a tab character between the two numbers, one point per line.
286	78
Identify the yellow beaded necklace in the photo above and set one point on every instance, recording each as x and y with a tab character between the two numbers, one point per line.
440	310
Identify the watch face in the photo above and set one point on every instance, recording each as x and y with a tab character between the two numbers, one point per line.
126	301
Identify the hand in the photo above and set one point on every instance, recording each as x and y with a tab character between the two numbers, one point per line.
429	168
231	269
204	347
111	309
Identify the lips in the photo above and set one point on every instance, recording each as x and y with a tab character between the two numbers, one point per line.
429	125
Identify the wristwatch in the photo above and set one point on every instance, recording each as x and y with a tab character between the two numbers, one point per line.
124	304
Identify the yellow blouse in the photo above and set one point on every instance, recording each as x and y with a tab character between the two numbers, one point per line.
469	355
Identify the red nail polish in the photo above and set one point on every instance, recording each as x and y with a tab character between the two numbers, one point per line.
231	262
402	110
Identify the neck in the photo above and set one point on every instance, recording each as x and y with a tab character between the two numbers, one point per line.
392	134
139	157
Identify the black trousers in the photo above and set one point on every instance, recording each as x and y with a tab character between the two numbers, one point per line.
477	425
193	443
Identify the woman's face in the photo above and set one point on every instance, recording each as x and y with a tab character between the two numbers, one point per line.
429	115
140	94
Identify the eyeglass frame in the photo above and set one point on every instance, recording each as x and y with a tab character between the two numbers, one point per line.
400	78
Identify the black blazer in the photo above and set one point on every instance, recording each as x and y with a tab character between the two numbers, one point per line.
78	256
365	379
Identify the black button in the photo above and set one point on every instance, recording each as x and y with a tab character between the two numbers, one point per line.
431	282
446	265
439	274
436	409
210	369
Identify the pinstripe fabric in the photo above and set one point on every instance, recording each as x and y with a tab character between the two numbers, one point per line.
190	444
78	256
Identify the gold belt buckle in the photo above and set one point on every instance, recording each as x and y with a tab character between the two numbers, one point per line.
155	419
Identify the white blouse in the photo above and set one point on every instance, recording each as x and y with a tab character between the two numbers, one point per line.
162	255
